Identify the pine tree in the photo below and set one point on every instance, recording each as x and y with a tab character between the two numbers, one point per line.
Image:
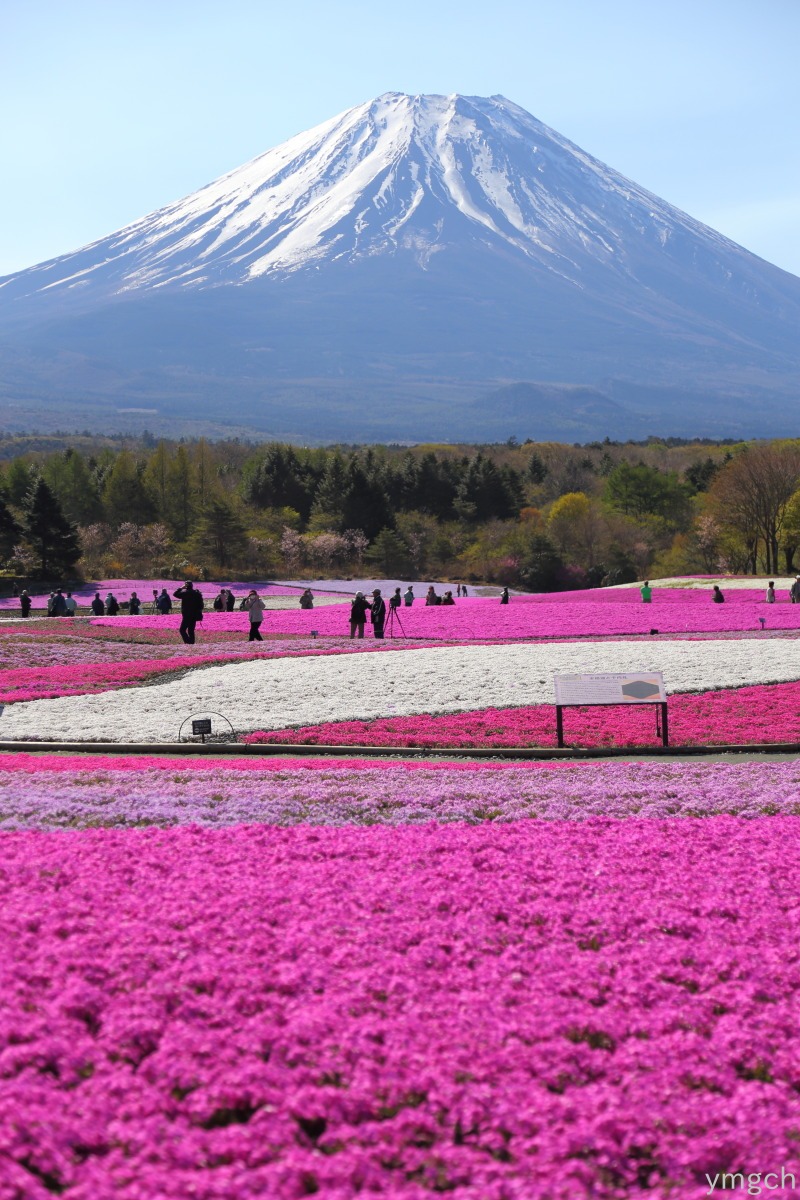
20	476
52	538
390	554
181	508
124	495
75	487
220	534
9	530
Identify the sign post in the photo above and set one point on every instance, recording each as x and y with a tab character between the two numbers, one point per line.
583	691
202	727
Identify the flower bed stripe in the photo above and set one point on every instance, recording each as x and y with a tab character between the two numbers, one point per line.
735	716
72	792
277	693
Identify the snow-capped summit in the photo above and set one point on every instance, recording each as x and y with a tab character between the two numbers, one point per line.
400	174
431	250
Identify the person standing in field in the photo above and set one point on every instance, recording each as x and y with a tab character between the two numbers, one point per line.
25	603
71	605
163	603
112	605
647	592
307	599
770	596
378	613
255	611
191	610
794	591
134	605
504	596
98	608
358	614
408	596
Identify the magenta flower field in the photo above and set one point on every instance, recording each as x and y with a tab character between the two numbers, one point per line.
259	975
538	1011
574	614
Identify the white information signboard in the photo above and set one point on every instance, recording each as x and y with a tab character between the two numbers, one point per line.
629	688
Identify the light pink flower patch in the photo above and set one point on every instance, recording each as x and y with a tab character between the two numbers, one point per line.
122	589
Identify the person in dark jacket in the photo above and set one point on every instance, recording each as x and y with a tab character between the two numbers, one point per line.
112	605
59	605
504	596
230	601
220	601
717	596
98	608
358	614
25	603
448	598
377	613
396	600
191	610
163	602
134	605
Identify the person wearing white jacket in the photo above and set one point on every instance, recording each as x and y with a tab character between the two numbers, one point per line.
255	611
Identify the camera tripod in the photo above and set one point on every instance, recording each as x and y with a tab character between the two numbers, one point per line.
392	617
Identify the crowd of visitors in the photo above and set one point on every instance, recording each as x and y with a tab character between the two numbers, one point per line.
192	606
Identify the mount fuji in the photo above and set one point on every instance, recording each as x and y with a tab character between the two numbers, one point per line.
418	267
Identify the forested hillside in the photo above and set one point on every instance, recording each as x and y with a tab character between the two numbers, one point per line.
539	516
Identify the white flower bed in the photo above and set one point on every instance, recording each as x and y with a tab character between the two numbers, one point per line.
275	693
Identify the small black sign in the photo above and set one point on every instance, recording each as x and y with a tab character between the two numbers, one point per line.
203	726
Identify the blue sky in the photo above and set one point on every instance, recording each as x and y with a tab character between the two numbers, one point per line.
111	109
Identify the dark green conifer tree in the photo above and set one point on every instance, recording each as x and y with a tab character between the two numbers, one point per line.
52	538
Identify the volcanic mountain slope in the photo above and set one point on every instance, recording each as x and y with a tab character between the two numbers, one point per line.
417	267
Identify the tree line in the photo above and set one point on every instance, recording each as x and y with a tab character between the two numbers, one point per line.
536	515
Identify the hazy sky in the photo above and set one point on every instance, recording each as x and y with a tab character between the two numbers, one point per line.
111	109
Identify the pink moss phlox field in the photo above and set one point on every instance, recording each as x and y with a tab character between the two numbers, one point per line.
70	764
74	792
70	667
737	716
573	614
78	679
529	1011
